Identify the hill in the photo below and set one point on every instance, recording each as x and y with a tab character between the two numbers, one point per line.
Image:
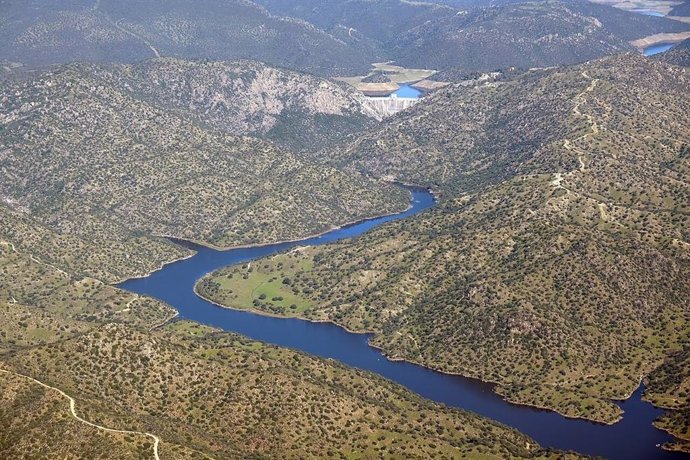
678	54
481	36
668	387
380	20
525	35
682	9
292	109
150	383
200	392
40	32
97	164
558	263
327	38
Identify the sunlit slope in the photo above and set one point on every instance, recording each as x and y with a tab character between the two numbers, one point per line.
558	262
199	392
94	162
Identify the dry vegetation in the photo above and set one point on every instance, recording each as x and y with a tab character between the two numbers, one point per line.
39	32
34	423
525	35
566	282
228	397
557	264
296	110
669	387
678	55
204	393
116	258
107	170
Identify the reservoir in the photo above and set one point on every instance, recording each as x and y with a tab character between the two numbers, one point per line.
648	12
656	49
634	437
407	91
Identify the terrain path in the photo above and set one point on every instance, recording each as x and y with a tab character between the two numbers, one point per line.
117	25
38	261
558	178
72	404
594	128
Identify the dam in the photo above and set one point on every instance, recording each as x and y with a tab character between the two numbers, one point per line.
390	105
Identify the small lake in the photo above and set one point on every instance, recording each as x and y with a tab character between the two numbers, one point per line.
407	91
632	438
656	49
648	12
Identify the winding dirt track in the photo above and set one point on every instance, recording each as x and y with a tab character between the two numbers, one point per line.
72	404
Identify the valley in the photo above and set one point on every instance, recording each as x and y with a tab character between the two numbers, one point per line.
470	288
73	345
229	189
344	229
328	341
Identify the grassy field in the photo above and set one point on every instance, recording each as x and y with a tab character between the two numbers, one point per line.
266	286
402	75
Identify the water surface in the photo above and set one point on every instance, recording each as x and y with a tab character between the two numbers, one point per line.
632	438
656	49
407	91
648	12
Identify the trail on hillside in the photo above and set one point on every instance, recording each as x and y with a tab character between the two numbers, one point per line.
73	412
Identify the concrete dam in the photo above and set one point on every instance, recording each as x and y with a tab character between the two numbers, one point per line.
387	106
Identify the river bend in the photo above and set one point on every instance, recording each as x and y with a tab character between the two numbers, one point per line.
634	437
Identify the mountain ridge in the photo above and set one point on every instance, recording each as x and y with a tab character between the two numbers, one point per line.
545	245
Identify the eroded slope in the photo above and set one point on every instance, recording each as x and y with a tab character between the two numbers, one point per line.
91	161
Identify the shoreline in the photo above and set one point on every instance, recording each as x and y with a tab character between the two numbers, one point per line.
371	333
658	39
272	243
162	266
668	446
274	315
492	383
165	322
172	238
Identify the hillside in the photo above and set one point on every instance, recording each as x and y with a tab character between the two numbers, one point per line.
557	265
525	35
96	164
678	55
326	38
669	387
27	407
681	10
380	20
208	392
293	109
44	32
489	134
201	392
481	36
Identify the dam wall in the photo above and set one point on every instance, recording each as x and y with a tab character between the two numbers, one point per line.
387	106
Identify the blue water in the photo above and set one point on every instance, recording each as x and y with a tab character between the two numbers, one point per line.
632	438
656	49
649	13
408	92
